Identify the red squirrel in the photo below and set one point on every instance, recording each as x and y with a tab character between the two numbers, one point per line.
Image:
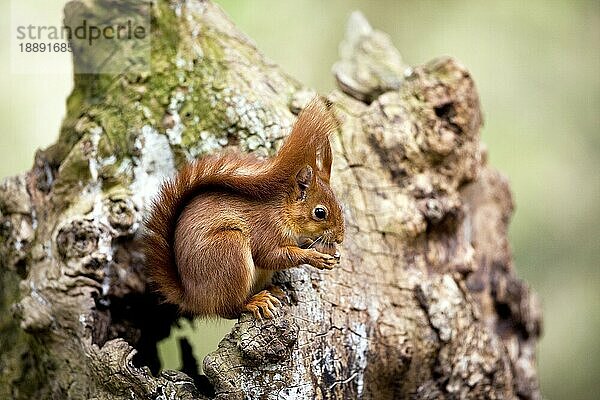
219	229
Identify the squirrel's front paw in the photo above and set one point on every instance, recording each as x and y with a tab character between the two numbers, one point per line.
324	261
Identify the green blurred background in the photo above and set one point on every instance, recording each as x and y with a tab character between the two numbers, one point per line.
537	67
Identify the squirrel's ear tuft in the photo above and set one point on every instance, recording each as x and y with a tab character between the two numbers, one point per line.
308	143
303	180
324	161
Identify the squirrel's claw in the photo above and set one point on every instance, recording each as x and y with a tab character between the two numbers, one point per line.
263	304
254	310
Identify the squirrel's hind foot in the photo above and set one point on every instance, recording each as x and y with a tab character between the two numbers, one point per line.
263	302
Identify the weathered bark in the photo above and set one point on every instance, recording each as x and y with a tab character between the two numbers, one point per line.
425	303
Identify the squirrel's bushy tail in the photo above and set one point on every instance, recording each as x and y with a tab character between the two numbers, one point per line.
241	174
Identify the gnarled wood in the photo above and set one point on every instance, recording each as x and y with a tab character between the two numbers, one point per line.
425	303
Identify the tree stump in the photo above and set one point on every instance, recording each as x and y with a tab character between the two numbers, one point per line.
425	303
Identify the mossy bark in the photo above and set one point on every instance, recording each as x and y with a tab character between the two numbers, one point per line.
425	303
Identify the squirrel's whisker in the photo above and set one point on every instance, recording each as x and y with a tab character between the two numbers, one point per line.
316	241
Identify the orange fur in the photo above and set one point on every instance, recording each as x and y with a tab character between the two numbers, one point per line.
218	229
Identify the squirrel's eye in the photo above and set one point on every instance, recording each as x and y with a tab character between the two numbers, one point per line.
320	212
